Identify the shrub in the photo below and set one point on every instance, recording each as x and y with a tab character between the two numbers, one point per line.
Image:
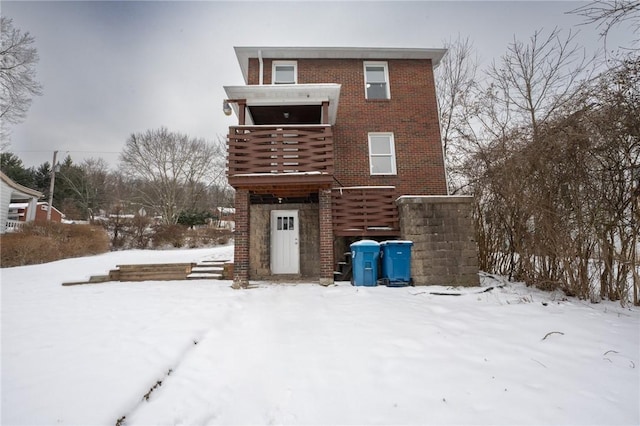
139	231
49	241
173	235
203	237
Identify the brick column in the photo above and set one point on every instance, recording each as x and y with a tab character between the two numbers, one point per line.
241	240
326	237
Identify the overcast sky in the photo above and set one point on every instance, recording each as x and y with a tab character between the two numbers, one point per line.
110	69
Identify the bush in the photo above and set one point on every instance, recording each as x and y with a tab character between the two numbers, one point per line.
126	232
139	231
203	237
173	235
49	241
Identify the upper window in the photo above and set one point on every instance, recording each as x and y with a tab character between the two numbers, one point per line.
284	72
382	154
376	80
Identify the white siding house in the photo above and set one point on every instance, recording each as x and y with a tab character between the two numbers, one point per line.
11	191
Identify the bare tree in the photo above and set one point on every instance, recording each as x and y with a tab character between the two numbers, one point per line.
18	85
455	87
607	14
534	80
531	84
173	170
89	183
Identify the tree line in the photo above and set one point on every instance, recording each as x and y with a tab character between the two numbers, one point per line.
550	149
163	174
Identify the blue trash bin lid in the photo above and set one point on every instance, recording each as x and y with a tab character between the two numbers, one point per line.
396	242
365	243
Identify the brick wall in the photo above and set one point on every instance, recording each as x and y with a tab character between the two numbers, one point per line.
241	240
411	114
326	237
444	249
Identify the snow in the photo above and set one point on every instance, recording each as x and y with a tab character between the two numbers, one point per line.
306	354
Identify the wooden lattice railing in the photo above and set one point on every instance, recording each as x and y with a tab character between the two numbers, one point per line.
280	149
365	211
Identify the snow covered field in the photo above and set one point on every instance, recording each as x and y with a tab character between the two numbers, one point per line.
305	354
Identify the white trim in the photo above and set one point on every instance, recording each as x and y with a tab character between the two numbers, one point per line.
385	66
282	94
392	154
275	64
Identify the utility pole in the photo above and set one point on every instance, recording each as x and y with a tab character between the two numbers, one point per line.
51	185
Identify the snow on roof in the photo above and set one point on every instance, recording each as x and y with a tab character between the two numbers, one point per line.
280	174
365	187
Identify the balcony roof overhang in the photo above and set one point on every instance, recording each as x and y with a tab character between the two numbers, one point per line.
287	94
243	53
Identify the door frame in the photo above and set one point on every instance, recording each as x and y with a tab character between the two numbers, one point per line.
293	246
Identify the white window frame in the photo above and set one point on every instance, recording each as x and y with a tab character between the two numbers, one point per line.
391	155
275	64
383	64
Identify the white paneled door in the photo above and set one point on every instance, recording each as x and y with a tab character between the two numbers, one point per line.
285	234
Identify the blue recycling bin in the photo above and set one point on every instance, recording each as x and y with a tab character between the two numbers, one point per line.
364	256
396	262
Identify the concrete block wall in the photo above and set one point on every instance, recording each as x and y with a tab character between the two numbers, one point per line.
444	250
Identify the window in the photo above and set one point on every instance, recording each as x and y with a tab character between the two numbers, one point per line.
382	154
284	72
376	80
285	223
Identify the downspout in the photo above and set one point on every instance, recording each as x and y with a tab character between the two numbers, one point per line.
261	78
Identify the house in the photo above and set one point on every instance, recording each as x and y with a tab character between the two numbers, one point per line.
224	218
20	211
10	192
329	144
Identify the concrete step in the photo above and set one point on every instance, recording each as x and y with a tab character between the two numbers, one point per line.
207	269
198	276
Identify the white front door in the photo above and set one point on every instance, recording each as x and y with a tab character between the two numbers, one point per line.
285	252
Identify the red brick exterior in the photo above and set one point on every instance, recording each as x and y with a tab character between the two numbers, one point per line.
41	213
326	237
241	240
411	114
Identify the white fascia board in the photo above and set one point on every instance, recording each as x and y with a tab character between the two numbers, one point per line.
287	94
243	53
19	191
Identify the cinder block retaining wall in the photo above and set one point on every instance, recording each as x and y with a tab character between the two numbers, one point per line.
444	250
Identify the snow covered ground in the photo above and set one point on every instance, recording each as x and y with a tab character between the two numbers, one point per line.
305	354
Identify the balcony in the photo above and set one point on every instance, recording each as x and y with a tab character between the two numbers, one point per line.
365	211
280	159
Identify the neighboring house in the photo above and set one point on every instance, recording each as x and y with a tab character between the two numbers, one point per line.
328	139
20	211
11	191
224	218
